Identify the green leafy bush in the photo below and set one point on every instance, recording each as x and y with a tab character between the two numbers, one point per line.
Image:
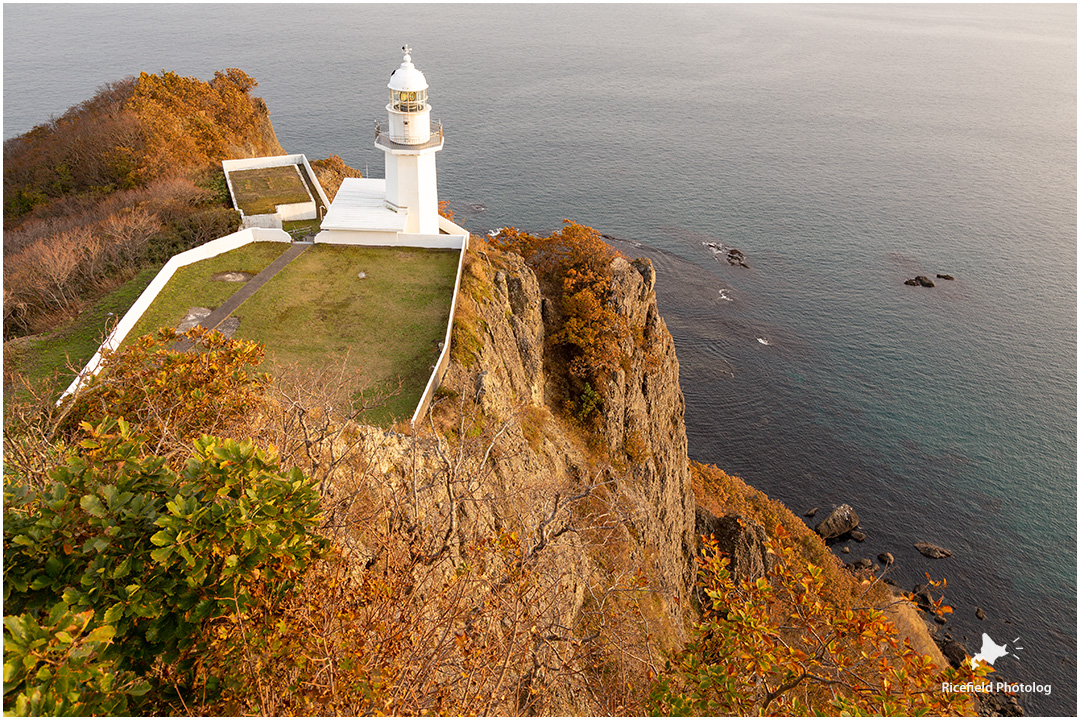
61	668
153	554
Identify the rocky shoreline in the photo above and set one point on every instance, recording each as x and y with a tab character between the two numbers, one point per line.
840	526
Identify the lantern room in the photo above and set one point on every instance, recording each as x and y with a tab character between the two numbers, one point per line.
410	114
409	101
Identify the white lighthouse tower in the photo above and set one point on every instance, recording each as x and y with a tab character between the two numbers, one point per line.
401	209
409	143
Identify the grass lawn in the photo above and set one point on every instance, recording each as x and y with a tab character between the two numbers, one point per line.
260	191
43	356
389	324
191	286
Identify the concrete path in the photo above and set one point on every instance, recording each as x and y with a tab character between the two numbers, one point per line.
227	308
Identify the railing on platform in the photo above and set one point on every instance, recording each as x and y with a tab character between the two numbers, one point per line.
383	132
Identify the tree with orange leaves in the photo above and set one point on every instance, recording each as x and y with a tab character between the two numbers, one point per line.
574	263
777	646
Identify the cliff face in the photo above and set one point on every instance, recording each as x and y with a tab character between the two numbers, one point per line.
646	407
601	521
643	433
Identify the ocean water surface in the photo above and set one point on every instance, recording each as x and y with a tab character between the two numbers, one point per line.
843	149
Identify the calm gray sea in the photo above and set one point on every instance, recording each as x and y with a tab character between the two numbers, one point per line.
841	148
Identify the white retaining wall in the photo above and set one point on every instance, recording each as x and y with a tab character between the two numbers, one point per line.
451	228
261	221
203	252
444	357
288	212
296	211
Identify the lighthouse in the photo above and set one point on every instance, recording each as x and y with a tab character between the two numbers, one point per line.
400	209
409	143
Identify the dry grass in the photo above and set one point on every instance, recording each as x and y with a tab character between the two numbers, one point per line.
722	494
260	191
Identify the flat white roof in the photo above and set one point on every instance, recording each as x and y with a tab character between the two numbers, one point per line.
360	204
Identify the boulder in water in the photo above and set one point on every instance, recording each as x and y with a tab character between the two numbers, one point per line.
841	520
930	550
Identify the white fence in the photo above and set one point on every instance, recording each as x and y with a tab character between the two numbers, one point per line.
458	240
203	252
444	357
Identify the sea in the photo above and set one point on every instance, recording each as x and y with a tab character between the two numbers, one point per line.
841	148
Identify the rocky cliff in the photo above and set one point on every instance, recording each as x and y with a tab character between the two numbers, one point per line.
643	439
599	521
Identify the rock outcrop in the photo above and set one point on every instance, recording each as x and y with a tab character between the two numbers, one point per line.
587	506
932	551
741	539
643	406
841	520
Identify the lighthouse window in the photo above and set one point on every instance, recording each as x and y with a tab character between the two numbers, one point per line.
408	100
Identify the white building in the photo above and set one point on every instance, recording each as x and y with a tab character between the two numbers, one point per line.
401	209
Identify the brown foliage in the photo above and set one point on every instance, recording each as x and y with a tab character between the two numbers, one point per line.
779	645
73	250
90	148
723	494
95	194
574	266
445	211
173	394
32	446
57	271
131	132
330	172
186	122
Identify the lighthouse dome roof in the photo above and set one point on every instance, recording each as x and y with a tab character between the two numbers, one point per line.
407	77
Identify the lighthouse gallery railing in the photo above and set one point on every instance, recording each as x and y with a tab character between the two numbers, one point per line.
383	132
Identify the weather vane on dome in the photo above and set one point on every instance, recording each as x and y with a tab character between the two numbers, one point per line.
406	49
